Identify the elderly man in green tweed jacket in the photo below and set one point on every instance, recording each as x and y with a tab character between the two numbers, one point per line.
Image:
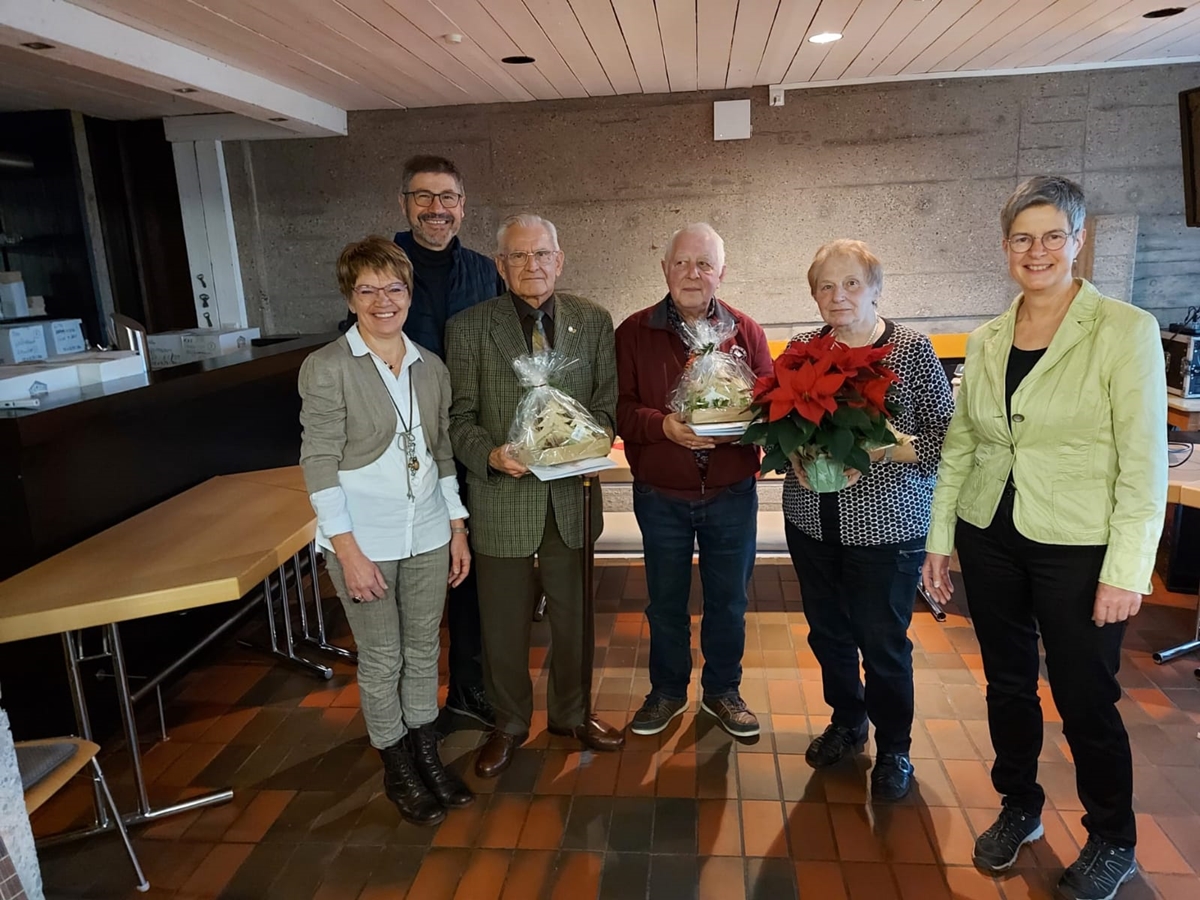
515	516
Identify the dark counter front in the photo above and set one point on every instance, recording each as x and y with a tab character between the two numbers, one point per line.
73	468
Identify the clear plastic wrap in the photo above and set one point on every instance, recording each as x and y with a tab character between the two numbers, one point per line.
715	386
549	426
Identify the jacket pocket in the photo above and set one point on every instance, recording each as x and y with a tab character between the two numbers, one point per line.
1081	509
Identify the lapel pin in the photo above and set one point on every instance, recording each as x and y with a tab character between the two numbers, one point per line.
571	328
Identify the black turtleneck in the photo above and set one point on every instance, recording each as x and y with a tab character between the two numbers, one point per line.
431	269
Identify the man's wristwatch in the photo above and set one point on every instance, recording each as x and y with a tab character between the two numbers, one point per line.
462	530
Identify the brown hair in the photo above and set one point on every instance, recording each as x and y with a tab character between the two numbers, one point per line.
846	247
437	165
374	253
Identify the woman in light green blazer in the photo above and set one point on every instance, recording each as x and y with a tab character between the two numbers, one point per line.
1052	485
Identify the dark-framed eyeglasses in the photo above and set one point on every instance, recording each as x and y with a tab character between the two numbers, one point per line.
518	258
396	291
1051	240
448	199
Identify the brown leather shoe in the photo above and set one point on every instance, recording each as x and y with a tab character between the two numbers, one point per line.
496	755
593	734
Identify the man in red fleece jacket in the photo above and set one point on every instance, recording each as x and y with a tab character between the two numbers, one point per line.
689	490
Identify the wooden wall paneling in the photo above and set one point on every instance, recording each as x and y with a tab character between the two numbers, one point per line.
1048	41
1115	34
792	23
378	26
866	24
751	32
899	25
558	20
677	27
714	30
1047	20
639	24
999	28
470	17
938	20
978	17
603	32
516	19
198	28
831	16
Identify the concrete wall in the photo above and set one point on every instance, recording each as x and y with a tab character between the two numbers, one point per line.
918	170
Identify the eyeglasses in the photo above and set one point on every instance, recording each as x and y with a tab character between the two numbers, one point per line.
1051	240
448	199
519	258
396	291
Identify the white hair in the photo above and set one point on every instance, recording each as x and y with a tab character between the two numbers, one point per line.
526	220
701	228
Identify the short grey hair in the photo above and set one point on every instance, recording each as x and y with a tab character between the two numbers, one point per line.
1046	190
697	228
526	220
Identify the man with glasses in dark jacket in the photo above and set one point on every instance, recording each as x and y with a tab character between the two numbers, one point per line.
448	278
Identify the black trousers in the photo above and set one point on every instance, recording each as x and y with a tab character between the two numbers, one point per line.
1017	588
861	599
465	658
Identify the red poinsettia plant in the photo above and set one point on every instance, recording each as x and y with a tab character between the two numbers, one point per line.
824	407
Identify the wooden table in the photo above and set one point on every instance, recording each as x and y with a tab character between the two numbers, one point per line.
1183	487
212	544
1183	414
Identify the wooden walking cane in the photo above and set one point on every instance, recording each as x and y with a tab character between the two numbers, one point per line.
589	600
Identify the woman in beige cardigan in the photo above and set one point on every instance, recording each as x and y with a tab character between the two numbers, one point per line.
380	472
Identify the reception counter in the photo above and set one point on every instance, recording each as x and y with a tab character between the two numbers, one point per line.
80	464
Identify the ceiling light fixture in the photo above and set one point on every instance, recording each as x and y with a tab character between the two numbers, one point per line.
517	60
185	90
1164	13
452	38
825	37
37	45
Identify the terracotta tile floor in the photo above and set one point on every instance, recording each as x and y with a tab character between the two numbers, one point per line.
689	813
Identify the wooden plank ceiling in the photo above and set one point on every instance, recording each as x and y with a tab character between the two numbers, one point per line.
375	54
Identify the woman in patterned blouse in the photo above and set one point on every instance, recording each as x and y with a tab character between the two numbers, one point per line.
858	552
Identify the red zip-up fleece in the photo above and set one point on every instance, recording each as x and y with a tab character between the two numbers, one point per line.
650	358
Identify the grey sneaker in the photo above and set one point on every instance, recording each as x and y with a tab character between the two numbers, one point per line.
656	714
731	714
997	848
1099	872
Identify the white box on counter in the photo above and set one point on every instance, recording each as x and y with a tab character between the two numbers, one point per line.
27	380
13	303
166	348
204	343
64	336
22	343
99	366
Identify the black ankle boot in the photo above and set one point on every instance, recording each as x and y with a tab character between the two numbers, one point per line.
442	783
405	788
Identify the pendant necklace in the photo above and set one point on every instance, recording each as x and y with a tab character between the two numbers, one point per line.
405	439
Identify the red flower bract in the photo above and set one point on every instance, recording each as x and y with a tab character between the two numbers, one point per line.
813	377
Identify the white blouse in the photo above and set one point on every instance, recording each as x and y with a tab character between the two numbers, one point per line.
373	501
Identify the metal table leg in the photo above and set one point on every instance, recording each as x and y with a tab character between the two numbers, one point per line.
319	639
288	651
72	652
1165	656
589	599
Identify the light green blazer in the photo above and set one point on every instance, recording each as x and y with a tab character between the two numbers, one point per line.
1087	442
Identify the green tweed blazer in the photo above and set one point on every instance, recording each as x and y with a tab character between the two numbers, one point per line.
508	515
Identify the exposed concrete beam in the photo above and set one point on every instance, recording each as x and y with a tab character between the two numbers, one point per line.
90	41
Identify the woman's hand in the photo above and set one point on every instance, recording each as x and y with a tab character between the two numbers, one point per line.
935	575
460	559
364	581
1114	604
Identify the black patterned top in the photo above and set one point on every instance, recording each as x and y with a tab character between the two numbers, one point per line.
892	503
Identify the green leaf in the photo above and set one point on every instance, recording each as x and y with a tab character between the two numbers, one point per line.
858	458
804	427
790	438
755	433
851	417
774	460
840	443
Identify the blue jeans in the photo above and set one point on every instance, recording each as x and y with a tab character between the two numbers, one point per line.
861	599
725	527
